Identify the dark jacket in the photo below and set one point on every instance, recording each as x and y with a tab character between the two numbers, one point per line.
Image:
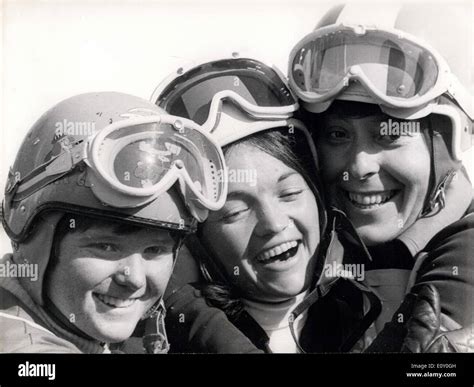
337	317
196	322
193	325
447	263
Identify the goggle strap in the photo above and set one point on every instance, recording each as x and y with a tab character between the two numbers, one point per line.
49	172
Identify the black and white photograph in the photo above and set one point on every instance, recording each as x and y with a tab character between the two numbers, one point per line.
275	182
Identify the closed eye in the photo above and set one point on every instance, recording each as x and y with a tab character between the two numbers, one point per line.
291	194
234	215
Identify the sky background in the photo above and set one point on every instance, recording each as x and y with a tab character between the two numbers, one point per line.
52	50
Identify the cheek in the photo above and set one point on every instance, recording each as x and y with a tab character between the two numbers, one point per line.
91	271
80	267
73	278
81	274
308	218
333	161
412	168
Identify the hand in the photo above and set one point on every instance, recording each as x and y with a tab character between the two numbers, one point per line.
424	328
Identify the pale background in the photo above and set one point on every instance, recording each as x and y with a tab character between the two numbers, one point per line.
51	50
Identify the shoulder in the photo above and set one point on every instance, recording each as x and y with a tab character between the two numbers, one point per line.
193	325
20	332
455	240
447	262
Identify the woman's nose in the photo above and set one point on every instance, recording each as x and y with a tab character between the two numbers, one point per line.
132	273
271	220
362	164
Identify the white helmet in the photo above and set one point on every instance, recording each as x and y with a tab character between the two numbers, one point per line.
234	98
411	60
401	58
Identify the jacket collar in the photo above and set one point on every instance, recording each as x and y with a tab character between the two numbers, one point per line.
44	317
458	199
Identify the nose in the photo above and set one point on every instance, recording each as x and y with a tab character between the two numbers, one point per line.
271	220
132	272
363	164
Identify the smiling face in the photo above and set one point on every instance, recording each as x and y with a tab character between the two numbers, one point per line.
104	281
379	180
267	233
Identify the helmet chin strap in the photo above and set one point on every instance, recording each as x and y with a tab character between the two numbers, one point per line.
443	170
155	339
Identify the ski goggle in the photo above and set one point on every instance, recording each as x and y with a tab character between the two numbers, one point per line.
133	161
396	69
261	91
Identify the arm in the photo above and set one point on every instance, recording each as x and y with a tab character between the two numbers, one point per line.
19	337
194	326
448	266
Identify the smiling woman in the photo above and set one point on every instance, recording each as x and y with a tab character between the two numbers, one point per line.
379	180
104	277
265	237
406	192
260	255
101	231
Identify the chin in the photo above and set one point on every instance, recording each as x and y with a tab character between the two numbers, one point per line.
114	333
290	289
373	236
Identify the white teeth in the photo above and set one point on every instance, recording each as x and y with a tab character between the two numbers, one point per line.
367	200
277	250
116	302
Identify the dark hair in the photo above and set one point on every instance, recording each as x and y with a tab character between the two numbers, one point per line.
354	109
287	147
71	223
79	223
351	109
348	109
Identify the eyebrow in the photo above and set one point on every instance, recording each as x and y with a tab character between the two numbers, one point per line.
236	194
287	175
116	234
371	117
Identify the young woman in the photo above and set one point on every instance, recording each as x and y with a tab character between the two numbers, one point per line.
390	121
96	223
